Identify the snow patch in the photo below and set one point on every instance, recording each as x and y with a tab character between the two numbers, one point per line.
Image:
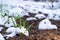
3	20
45	21
46	24
53	16
22	30
1	37
31	18
40	16
10	22
10	30
10	35
15	31
17	11
1	28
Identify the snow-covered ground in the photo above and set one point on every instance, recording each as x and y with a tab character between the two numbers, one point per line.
34	7
21	8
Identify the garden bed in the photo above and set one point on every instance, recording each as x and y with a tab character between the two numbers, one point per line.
21	21
35	34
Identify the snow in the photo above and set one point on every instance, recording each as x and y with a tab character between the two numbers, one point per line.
10	30
10	35
30	6
9	2
53	16
10	23
1	37
48	5
22	30
33	10
40	16
57	18
3	20
21	8
46	24
13	31
46	11
58	5
50	16
1	28
45	21
57	12
17	11
31	18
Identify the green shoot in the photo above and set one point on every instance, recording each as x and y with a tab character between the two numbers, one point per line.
29	26
13	22
22	24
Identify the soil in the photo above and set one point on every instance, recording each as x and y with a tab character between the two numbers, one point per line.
35	34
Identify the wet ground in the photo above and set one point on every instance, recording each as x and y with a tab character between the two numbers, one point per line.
35	33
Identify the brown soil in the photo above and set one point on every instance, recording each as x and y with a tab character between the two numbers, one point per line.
35	34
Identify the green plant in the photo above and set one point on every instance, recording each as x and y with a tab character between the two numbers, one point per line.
22	23
13	22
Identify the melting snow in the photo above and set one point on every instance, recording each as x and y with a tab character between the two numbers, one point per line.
1	28
22	30
40	16
22	7
31	18
3	20
46	24
10	23
10	29
53	16
15	31
10	35
17	11
45	21
1	37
